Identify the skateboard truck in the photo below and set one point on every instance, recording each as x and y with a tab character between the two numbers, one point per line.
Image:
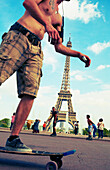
57	158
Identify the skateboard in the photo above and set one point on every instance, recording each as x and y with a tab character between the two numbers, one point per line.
56	158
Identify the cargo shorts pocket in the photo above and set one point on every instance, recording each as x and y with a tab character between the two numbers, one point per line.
4	54
9	39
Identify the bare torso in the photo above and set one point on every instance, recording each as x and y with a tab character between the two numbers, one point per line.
48	8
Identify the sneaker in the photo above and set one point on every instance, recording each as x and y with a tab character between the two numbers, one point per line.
53	134
17	145
89	138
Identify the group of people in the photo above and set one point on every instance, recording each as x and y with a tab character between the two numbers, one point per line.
92	127
35	126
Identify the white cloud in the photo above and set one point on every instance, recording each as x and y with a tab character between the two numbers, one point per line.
74	72
9	86
105	86
101	67
50	60
49	54
99	47
47	90
96	80
84	11
79	77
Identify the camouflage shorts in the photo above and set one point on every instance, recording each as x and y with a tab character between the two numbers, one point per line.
18	54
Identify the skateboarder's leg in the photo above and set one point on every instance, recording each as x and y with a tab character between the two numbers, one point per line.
22	113
13	142
28	81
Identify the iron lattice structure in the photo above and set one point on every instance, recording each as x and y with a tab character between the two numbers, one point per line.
65	95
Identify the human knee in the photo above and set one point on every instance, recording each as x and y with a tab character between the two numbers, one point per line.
28	97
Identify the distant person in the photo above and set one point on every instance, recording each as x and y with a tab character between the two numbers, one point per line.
90	123
54	115
29	122
44	126
94	130
36	126
12	121
76	127
100	128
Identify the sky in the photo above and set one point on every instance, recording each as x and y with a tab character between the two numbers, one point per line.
88	24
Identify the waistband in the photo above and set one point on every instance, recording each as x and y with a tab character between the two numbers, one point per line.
34	39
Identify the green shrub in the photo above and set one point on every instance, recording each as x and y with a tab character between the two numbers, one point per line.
5	123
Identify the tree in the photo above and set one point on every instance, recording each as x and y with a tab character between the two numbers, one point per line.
106	133
5	123
85	131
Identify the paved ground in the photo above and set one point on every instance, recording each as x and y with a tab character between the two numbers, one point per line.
90	155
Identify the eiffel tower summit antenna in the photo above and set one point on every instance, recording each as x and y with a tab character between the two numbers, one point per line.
65	95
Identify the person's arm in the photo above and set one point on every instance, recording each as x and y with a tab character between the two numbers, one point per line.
91	121
60	48
32	7
51	117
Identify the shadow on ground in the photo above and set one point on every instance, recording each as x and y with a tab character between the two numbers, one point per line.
13	164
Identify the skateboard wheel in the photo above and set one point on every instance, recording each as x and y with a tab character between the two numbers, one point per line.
52	166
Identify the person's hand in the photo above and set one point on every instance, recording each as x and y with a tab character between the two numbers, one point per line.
85	59
53	34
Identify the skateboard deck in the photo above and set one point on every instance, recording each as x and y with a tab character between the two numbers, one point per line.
55	157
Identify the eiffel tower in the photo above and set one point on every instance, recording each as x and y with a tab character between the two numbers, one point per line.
64	95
